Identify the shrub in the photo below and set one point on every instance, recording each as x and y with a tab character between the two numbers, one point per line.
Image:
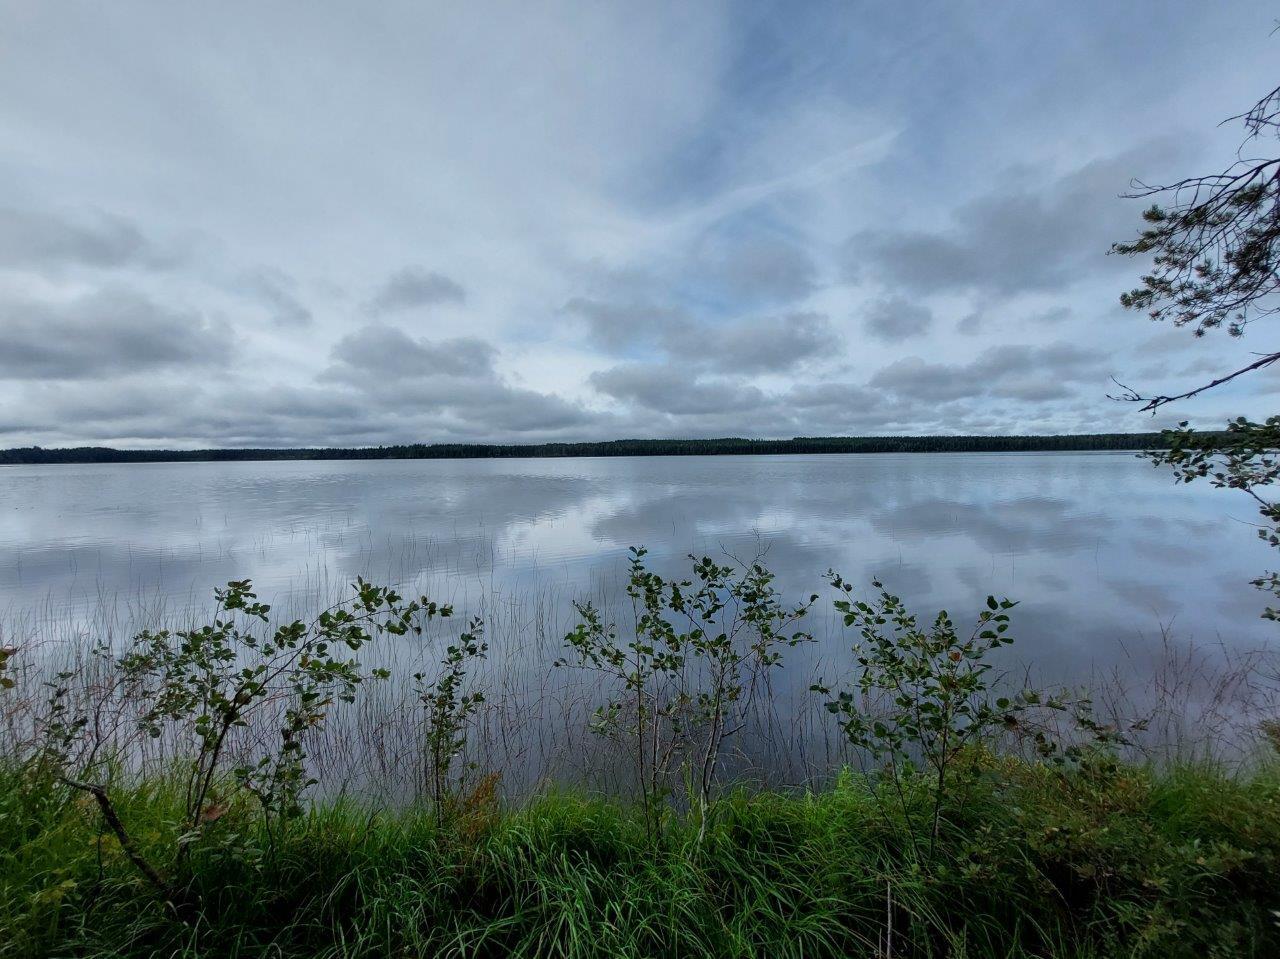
447	712
697	653
205	683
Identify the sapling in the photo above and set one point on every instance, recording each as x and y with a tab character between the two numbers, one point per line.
922	693
683	680
447	712
203	684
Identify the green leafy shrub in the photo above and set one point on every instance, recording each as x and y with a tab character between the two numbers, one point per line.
682	679
205	683
925	694
447	711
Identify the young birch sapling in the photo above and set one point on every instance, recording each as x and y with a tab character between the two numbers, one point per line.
683	679
447	713
204	684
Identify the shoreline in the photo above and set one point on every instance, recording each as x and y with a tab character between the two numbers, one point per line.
729	446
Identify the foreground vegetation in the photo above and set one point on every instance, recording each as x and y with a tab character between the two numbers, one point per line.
159	799
1097	860
729	446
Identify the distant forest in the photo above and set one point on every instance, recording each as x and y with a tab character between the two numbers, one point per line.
731	446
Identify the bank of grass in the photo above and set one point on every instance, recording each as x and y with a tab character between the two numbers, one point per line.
1033	860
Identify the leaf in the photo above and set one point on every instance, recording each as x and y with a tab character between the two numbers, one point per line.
213	812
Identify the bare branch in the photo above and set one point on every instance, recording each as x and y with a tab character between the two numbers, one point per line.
112	819
1153	403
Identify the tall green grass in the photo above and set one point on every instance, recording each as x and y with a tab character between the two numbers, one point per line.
1050	839
1098	860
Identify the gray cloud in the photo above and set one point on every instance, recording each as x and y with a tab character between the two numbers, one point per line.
151	407
519	410
977	321
668	389
757	267
104	334
380	352
896	318
771	344
43	241
411	288
276	291
765	344
616	326
1058	314
471	405
1015	239
826	396
377	411
1012	372
444	385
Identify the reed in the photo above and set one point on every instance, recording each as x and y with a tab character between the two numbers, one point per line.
469	805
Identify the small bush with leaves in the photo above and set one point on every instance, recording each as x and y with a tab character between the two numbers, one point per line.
448	709
698	651
205	683
58	740
922	694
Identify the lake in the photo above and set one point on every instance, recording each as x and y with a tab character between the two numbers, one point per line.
1105	554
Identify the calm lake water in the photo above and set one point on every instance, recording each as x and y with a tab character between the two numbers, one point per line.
1102	551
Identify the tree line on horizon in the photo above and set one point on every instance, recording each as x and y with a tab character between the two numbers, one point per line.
633	447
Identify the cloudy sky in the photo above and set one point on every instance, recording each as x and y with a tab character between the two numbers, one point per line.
303	223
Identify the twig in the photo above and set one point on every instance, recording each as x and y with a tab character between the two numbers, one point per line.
1153	403
126	843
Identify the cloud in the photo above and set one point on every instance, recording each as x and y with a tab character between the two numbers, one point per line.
104	334
276	291
44	241
381	352
155	409
411	288
834	396
771	344
150	406
695	222
976	322
448	385
1012	372
1057	314
1014	239
764	344
895	319
518	410
617	326
755	267
668	389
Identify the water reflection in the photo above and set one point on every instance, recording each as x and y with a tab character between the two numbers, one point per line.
1099	548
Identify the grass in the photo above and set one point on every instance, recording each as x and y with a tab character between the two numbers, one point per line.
1100	860
1052	838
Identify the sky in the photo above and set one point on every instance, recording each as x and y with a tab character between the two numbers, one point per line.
342	223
